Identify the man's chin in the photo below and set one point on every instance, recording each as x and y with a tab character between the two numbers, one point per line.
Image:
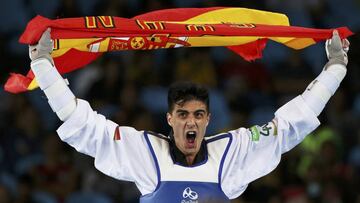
191	149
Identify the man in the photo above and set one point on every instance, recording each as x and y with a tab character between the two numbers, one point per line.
187	167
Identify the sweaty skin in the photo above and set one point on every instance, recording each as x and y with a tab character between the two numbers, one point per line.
189	122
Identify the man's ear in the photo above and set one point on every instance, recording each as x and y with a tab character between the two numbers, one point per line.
168	118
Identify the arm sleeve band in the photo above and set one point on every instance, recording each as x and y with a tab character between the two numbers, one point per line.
314	102
47	78
57	103
65	112
318	93
329	80
55	89
338	70
62	101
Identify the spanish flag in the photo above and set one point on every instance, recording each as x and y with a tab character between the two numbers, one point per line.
245	31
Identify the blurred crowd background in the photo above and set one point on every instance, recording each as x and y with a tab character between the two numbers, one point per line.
130	88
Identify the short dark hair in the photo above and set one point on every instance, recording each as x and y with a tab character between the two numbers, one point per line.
182	92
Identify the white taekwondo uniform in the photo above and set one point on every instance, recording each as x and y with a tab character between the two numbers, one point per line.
233	159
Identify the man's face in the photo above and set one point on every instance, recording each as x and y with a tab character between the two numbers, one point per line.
189	123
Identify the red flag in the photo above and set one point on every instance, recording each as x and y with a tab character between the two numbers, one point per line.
245	31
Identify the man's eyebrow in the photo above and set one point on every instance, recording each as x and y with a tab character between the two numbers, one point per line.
200	111
181	111
185	111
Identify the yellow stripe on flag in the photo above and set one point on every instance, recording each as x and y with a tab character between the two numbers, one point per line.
239	15
80	44
219	40
300	43
33	85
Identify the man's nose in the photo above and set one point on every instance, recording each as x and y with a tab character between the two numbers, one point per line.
191	121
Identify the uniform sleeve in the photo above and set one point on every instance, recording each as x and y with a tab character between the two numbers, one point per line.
255	152
120	152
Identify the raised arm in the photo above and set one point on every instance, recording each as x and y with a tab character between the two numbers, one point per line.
120	152
318	93
62	101
256	151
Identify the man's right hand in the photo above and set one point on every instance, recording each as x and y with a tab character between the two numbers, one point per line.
43	48
61	99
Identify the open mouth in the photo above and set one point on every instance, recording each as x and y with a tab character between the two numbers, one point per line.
190	136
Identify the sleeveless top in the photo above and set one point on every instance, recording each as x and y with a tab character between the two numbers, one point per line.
188	184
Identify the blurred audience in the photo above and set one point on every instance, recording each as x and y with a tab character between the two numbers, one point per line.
130	88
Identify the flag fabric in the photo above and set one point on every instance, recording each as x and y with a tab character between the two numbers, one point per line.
244	31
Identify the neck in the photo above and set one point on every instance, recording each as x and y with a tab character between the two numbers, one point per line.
190	159
187	159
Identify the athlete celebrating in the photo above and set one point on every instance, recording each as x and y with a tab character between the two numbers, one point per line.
187	166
